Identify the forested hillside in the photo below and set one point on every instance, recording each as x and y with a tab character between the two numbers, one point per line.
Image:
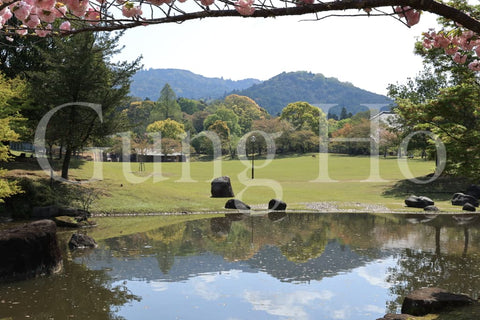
272	95
316	89
186	84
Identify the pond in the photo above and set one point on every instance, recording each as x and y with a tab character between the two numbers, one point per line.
271	266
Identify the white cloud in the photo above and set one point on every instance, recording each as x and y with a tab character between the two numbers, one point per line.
159	286
375	273
290	305
374	309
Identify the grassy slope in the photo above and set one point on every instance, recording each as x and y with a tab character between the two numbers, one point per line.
292	176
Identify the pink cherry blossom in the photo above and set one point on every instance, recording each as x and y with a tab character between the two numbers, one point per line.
207	2
22	31
400	11
427	43
44	32
44	4
32	21
460	58
477	51
451	50
130	11
65	26
6	14
21	10
93	16
60	10
244	7
77	7
413	17
474	65
46	15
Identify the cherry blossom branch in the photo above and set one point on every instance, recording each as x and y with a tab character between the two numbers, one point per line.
36	17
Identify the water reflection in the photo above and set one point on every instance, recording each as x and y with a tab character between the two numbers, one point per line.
76	293
275	266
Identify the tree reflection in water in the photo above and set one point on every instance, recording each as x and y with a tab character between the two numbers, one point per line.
75	293
298	248
451	262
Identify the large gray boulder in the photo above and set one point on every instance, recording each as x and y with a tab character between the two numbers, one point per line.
277	205
432	300
29	250
460	199
418	202
81	241
236	204
221	188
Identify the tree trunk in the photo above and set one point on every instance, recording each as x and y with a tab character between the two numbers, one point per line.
60	152
66	162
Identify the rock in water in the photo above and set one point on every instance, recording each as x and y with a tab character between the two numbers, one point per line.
81	241
29	250
432	300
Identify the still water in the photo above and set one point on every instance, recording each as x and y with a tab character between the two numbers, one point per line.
273	266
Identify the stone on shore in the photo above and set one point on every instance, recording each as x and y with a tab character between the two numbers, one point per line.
432	300
236	204
277	205
221	188
469	207
418	201
29	251
460	199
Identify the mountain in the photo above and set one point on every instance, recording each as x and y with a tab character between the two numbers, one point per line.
148	83
274	94
327	93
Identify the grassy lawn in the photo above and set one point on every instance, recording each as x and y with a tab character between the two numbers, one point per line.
178	187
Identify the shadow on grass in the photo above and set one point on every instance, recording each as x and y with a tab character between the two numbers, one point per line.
32	164
440	189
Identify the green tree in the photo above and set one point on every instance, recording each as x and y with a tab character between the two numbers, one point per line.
455	117
168	128
78	69
190	106
226	115
166	106
304	116
246	110
443	99
11	91
138	114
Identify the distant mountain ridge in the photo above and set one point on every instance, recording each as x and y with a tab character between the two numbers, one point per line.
186	84
330	94
274	94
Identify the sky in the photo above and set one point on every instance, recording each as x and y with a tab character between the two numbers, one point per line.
369	52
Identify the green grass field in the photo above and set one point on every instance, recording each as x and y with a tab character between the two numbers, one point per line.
185	187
